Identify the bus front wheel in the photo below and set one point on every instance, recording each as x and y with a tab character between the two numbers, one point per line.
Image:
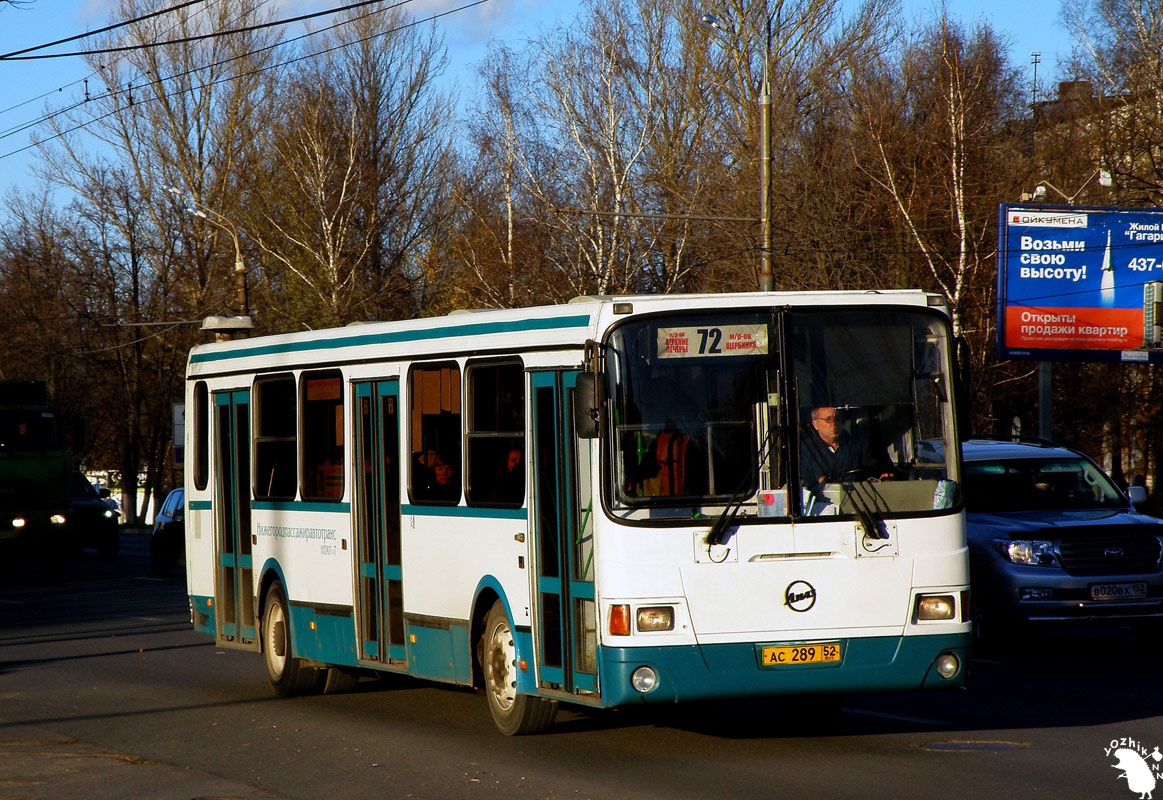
287	674
514	713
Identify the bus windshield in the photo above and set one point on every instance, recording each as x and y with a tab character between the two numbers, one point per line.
800	413
28	430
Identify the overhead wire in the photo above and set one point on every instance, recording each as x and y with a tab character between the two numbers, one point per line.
21	127
106	29
188	39
293	60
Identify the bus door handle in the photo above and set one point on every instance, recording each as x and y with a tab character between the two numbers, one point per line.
520	537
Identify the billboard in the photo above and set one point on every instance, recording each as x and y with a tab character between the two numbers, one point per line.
1077	283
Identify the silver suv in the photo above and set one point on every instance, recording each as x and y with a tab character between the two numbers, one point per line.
1053	539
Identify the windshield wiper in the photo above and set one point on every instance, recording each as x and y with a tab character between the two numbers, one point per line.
718	531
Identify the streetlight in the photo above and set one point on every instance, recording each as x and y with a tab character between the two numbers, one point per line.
766	282
1039	193
204	212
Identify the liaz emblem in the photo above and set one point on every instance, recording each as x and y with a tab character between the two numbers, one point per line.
799	596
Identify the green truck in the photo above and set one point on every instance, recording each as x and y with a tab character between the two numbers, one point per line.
36	473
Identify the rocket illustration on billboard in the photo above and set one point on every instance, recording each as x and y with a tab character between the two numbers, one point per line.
1108	276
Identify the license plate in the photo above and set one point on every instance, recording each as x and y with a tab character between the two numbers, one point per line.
1118	591
795	654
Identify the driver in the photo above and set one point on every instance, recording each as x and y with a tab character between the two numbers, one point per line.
828	453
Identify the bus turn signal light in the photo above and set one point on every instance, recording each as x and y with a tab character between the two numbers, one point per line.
620	620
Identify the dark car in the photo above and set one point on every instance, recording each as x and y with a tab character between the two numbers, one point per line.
167	543
1052	539
94	519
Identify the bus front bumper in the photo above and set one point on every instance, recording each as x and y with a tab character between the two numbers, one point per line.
707	672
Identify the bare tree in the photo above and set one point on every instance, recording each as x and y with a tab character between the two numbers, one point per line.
357	166
184	114
601	161
500	256
1119	54
938	126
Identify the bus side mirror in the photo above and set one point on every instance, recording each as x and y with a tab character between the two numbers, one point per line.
588	400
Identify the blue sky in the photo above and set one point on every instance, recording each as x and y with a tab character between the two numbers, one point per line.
27	86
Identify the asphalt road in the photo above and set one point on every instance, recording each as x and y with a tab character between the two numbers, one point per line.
105	692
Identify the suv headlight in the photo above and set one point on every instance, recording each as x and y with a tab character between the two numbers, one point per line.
1027	552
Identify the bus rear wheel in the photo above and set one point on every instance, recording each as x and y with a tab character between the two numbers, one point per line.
287	674
514	713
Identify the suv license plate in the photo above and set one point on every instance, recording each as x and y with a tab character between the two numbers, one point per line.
1118	591
796	654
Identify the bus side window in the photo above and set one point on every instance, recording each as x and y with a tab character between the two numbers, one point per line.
323	460
435	475
275	440
201	435
495	442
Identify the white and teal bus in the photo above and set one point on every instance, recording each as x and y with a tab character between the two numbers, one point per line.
607	502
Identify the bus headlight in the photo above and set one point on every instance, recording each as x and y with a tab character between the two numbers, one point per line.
655	618
57	519
19	522
643	679
934	607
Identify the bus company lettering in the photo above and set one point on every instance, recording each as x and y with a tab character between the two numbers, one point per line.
323	535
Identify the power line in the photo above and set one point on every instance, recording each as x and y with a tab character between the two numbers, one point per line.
46	117
185	40
106	29
412	24
116	92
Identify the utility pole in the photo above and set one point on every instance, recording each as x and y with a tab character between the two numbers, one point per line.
1035	59
766	279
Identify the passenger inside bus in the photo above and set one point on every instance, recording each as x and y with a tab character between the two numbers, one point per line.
830	453
510	478
434	478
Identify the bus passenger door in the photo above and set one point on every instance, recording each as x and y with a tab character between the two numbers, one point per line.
233	584
377	519
562	524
